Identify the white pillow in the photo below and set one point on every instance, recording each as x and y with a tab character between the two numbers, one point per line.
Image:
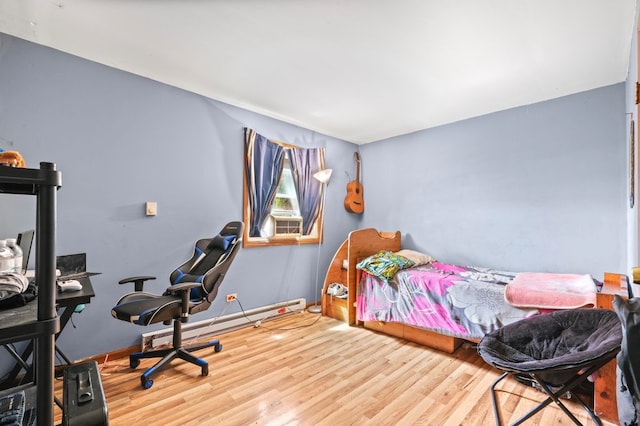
415	256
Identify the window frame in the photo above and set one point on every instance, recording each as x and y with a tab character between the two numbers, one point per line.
316	236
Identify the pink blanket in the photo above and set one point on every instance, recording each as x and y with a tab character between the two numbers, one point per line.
551	291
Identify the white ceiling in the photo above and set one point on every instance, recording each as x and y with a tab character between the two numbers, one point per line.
358	70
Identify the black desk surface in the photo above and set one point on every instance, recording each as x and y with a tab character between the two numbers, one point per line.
76	297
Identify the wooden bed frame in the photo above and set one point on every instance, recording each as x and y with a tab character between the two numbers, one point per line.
366	242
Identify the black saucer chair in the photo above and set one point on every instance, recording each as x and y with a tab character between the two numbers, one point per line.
194	286
557	352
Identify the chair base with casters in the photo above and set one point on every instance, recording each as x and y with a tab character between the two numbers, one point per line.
169	354
558	352
194	286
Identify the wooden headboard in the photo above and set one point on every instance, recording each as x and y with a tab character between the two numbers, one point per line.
358	245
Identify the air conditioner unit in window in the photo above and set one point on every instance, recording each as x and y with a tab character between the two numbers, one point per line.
287	226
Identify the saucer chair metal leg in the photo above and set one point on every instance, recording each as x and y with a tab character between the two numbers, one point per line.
496	411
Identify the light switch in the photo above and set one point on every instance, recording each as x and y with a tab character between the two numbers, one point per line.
151	208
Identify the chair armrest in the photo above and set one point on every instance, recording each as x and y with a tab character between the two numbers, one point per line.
138	281
177	288
183	289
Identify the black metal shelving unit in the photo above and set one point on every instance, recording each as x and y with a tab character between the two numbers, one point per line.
37	321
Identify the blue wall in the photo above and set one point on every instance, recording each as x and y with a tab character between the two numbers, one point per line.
121	140
541	187
536	188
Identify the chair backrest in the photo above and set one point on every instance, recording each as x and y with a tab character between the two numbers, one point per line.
209	264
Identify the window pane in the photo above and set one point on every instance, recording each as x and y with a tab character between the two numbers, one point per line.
286	201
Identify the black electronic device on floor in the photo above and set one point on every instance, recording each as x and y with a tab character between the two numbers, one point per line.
83	401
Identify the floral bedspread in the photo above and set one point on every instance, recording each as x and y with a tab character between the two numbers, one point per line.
459	301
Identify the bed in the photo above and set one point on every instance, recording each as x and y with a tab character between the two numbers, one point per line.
438	305
461	301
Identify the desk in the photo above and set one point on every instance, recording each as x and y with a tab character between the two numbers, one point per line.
67	302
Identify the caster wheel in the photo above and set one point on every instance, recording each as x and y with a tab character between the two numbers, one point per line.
146	383
218	347
205	370
134	363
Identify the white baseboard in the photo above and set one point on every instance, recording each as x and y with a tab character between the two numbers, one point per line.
222	324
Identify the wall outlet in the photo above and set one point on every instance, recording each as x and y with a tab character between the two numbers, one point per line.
231	297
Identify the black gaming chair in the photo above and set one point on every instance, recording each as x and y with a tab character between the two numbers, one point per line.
194	286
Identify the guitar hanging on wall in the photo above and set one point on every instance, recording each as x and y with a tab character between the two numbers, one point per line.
354	201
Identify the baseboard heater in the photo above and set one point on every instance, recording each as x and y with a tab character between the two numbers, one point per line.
222	324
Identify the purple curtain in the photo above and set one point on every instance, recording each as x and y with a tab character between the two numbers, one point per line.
305	162
263	169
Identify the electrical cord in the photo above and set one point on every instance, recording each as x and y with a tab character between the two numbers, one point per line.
213	321
259	323
256	323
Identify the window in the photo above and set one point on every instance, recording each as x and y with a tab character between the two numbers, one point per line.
281	200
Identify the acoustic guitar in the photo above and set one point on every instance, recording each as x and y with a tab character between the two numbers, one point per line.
354	201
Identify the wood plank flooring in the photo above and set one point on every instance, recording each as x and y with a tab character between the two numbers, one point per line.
304	369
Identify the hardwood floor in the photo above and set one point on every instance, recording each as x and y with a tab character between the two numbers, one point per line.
304	369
